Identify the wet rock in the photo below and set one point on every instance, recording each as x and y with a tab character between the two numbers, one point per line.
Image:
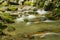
48	21
5	3
3	8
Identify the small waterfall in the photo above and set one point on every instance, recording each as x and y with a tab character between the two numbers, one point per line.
20	19
31	17
41	11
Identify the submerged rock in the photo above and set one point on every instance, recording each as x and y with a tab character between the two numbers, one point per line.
48	21
46	34
28	23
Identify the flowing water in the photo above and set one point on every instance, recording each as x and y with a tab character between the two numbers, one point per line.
49	21
41	11
32	17
46	34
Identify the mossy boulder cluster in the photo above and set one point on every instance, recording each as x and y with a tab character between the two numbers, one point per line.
5	19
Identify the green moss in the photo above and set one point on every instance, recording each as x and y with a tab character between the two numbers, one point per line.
11	28
4	3
29	3
12	8
2	25
6	17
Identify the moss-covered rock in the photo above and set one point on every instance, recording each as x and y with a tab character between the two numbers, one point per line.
6	18
29	3
4	3
12	8
11	28
2	25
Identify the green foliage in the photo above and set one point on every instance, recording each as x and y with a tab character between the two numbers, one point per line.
49	7
54	15
47	4
41	4
57	12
